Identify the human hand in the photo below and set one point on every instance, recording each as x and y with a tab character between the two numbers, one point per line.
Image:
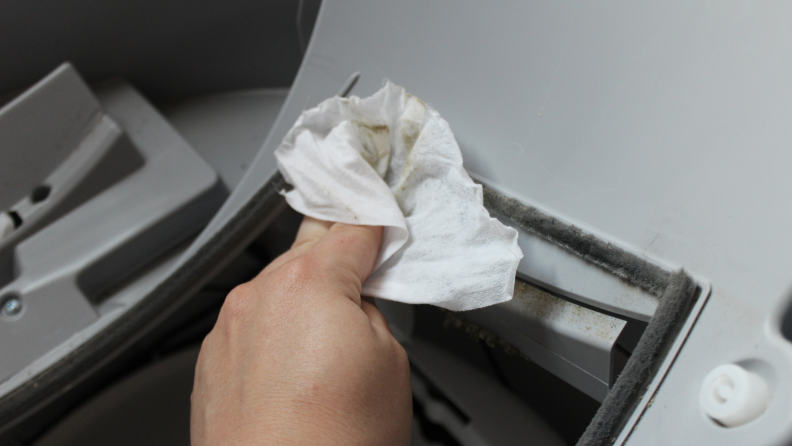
297	357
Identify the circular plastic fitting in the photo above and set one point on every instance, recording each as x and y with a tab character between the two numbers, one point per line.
733	396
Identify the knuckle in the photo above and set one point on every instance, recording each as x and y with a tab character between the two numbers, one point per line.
301	267
237	301
350	280
402	360
296	272
309	240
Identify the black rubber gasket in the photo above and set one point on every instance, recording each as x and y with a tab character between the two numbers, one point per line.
671	313
249	220
626	265
677	291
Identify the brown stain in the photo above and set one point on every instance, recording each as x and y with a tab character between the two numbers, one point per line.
334	198
375	139
410	131
408	97
534	301
411	128
543	306
480	334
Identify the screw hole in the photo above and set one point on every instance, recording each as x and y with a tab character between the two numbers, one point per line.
40	193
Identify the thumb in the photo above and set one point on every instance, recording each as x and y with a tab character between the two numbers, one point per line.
349	252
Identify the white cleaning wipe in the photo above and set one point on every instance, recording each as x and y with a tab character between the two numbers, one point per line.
391	160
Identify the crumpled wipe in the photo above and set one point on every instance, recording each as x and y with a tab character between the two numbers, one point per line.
391	160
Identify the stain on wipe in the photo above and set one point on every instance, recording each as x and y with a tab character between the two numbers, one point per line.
412	124
375	139
440	244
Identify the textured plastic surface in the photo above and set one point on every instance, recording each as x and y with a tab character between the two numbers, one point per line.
63	270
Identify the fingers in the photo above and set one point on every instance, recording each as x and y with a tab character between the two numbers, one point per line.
350	247
343	254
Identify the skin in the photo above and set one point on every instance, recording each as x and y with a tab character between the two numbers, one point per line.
297	357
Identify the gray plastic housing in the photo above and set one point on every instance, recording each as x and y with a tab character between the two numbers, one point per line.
106	217
660	127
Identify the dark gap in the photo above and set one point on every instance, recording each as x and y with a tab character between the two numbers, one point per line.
40	193
631	334
430	326
15	218
259	253
431	431
495	367
278	237
619	358
191	333
786	324
786	327
243	268
438	395
98	291
565	408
